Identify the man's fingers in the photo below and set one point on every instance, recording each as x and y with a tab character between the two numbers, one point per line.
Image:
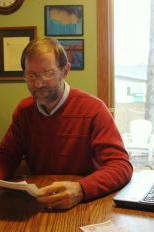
51	189
61	195
59	204
52	197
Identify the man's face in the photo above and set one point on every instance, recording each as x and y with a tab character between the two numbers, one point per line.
44	78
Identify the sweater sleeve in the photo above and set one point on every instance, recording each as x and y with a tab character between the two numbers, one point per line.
11	147
110	159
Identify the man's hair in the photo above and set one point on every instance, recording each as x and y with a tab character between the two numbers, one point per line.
41	46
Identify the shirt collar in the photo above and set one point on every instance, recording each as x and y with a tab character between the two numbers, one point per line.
60	103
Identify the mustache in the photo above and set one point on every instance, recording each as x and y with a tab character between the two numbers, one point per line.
43	89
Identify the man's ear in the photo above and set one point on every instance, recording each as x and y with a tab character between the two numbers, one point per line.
67	69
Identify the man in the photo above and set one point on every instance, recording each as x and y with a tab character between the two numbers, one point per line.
63	131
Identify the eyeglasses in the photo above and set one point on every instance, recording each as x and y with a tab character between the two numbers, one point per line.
32	77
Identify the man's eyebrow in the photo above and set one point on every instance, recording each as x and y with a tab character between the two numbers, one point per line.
29	71
53	70
45	70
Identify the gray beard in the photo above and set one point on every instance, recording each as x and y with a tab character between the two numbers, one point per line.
52	99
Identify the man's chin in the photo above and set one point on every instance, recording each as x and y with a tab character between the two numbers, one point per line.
40	101
45	100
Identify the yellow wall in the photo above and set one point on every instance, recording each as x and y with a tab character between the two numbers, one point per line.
31	13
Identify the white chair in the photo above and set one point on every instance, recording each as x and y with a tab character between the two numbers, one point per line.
139	142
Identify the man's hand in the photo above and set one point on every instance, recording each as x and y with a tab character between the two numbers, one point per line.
61	195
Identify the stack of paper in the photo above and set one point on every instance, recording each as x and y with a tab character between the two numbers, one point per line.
107	226
32	189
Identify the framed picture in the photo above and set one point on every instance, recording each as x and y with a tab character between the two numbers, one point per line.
12	42
63	20
75	52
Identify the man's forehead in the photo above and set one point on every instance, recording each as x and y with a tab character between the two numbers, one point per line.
41	55
41	58
41	62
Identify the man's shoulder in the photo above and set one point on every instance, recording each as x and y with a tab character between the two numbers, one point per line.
86	98
83	103
26	103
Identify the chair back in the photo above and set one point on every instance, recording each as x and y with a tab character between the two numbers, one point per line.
140	130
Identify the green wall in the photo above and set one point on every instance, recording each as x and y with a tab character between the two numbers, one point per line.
31	13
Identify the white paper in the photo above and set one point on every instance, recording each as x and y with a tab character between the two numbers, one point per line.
32	189
13	47
107	226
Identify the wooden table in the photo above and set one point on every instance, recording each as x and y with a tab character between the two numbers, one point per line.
20	212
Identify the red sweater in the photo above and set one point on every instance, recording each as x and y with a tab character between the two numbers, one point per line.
79	139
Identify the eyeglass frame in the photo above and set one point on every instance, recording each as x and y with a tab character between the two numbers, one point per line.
41	76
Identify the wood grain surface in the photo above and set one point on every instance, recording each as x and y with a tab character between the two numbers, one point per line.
19	212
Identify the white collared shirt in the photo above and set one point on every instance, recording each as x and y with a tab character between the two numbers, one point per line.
60	103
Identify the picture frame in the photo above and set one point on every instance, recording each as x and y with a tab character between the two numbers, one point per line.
12	42
63	20
75	52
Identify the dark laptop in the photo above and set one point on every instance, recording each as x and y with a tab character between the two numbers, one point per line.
138	193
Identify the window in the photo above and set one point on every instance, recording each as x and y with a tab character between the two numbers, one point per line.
134	77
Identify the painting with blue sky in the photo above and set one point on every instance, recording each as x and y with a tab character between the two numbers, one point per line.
64	20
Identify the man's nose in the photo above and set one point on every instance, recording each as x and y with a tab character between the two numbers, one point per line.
39	83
